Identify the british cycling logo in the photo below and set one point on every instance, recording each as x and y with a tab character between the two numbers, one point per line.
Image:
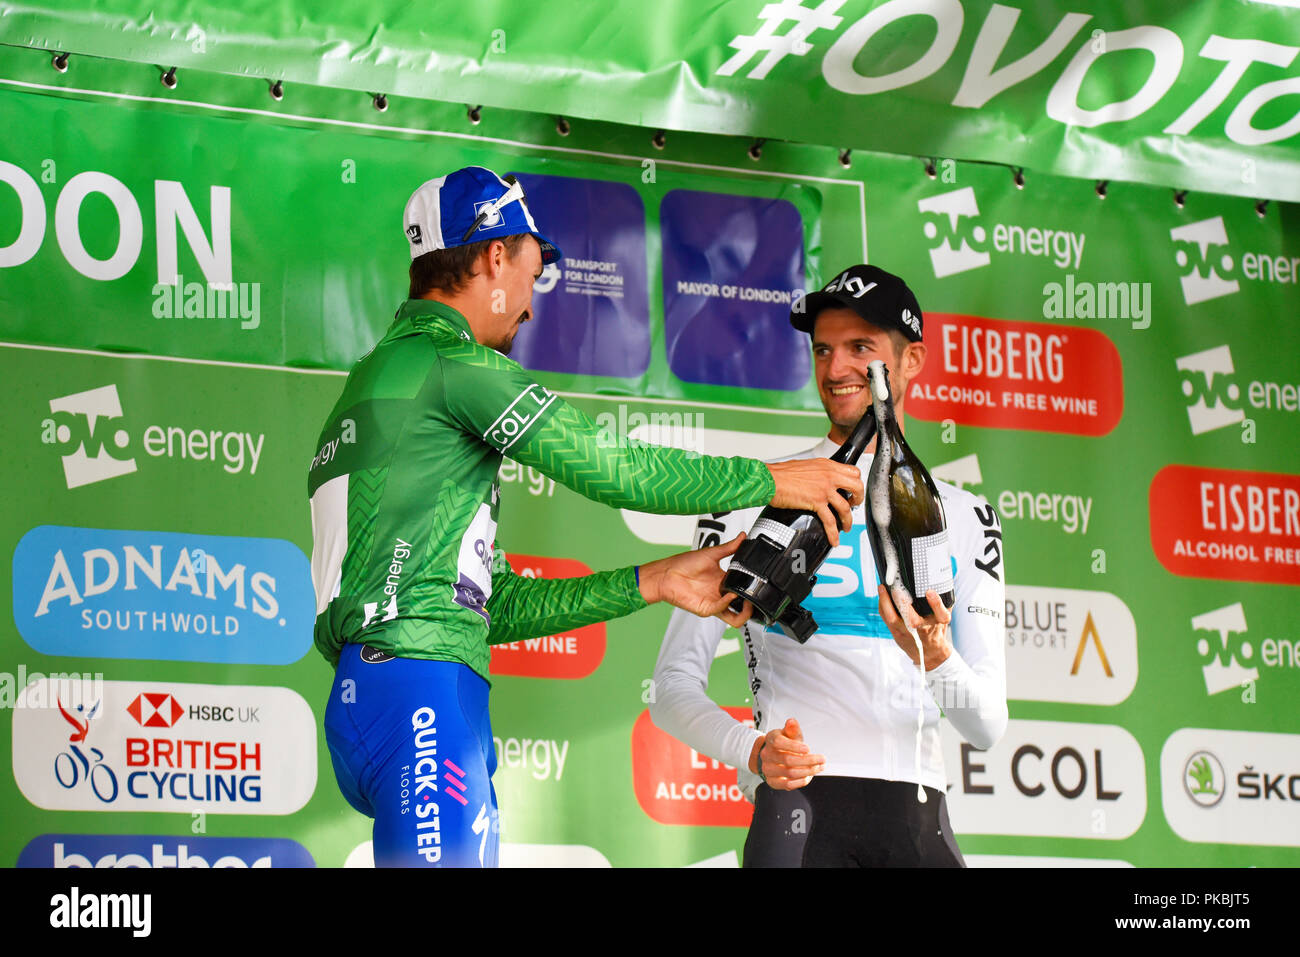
1204	779
1204	277
148	747
165	595
1227	659
89	430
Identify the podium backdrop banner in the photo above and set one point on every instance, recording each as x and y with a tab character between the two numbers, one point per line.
183	287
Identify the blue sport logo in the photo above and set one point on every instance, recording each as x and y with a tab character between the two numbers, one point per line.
101	593
155	850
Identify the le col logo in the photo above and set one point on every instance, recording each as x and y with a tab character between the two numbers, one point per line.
90	432
141	749
1209	268
1215	400
959	242
91	592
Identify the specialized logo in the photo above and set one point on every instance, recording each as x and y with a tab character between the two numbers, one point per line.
1214	399
89	431
1048	779
1227	657
86	427
675	784
1069	645
1206	275
1012	374
574	653
1232	787
161	851
1203	779
958	242
135	752
93	592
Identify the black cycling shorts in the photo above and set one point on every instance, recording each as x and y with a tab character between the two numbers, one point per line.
850	822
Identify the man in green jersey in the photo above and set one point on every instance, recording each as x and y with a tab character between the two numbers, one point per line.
410	586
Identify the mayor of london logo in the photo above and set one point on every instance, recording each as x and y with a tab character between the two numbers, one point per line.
1203	779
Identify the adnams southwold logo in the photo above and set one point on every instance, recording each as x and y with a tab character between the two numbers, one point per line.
111	593
90	431
1210	268
1215	400
959	241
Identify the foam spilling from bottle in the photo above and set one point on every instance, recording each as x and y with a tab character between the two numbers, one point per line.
881	513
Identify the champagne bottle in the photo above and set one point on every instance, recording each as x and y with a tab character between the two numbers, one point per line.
775	567
906	523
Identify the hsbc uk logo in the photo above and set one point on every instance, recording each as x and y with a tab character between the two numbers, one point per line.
958	242
1214	398
89	431
155	710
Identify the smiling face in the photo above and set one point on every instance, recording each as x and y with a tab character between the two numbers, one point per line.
512	291
843	345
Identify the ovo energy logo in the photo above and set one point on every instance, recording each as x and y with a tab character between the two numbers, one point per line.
85	427
1225	659
957	242
1203	278
1214	399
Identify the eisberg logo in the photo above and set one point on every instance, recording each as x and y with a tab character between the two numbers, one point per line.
89	431
1203	278
1203	779
958	244
90	592
86	423
1226	658
1213	398
161	851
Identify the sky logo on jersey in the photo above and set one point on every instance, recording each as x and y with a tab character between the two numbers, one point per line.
106	760
161	851
101	593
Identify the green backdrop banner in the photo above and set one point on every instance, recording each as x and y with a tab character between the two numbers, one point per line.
182	288
1198	96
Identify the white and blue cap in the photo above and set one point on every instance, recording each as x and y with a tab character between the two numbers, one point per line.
469	206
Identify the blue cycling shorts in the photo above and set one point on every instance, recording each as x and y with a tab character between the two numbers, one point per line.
411	745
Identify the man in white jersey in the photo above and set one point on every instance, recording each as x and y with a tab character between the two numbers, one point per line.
847	725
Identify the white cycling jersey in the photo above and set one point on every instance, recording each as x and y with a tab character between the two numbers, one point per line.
854	692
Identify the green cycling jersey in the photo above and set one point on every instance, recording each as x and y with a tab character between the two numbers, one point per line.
404	497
